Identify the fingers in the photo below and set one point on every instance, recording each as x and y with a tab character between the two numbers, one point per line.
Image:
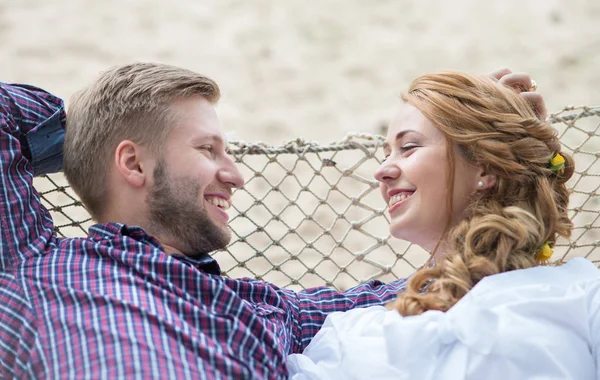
519	81
522	83
537	101
497	74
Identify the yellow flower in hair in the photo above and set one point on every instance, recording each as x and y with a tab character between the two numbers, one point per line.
545	253
557	162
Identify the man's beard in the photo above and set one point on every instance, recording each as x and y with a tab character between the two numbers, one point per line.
175	214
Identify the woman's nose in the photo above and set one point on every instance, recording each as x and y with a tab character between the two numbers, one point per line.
387	172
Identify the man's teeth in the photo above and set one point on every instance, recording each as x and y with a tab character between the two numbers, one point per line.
219	202
398	198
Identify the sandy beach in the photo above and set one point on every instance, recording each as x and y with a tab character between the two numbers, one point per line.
314	70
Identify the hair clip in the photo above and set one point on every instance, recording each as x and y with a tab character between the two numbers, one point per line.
545	253
557	162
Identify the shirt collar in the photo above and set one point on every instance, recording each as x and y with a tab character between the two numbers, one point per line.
206	263
108	231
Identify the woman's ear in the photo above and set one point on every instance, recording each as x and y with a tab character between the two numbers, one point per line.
486	181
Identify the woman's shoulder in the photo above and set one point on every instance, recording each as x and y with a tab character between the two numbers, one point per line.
544	297
575	273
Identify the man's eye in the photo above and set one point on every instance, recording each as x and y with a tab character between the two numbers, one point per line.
209	149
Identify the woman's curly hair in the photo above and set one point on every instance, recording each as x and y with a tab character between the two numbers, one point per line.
506	225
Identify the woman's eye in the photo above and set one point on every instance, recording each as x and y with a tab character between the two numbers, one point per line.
408	147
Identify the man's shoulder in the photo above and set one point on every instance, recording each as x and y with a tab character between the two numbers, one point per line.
13	298
18	327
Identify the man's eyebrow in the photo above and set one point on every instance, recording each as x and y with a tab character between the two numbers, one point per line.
214	138
399	135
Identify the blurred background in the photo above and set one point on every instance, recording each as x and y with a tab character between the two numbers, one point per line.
313	69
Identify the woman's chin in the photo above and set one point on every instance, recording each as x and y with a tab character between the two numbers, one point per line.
414	237
402	233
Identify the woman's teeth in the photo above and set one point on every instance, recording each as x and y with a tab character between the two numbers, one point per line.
398	198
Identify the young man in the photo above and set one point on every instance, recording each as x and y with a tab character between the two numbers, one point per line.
140	297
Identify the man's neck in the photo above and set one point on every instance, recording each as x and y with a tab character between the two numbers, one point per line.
170	250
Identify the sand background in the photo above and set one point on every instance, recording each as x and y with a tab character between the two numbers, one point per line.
315	70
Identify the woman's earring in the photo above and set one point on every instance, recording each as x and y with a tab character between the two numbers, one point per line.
480	184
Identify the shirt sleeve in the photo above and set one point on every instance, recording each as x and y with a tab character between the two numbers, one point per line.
310	307
31	135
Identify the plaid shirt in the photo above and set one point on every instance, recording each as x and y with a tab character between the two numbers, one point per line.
114	304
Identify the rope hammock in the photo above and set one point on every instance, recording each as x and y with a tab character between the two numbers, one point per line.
311	214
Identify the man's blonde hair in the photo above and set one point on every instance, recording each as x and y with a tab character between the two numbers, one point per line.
130	102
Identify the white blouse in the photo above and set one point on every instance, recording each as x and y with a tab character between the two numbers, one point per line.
537	323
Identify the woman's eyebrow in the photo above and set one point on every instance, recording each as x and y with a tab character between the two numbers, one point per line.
400	135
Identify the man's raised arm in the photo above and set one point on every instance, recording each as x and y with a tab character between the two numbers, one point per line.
31	135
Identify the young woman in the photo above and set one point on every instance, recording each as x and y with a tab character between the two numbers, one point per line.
472	175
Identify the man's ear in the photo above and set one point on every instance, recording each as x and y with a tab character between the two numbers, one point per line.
128	161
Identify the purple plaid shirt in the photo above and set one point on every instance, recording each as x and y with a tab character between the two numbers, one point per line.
114	304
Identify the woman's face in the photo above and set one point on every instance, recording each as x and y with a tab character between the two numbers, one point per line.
414	179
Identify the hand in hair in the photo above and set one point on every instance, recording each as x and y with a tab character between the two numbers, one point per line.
522	82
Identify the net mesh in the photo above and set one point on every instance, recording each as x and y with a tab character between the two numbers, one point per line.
311	214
